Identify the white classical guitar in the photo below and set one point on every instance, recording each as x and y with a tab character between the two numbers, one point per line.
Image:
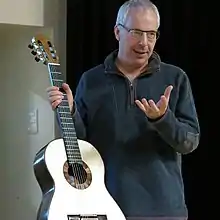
70	172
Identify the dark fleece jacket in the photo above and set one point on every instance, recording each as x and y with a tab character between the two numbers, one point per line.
142	157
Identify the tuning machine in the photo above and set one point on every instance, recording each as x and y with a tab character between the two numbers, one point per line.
37	59
30	46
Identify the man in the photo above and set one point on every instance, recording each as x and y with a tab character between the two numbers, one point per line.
139	113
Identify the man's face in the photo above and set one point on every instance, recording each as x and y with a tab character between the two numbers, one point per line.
137	37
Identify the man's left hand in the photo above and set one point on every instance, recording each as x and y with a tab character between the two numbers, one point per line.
152	110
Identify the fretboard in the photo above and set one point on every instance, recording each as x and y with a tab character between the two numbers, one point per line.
64	117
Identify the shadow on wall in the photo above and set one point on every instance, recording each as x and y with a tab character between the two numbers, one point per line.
23	90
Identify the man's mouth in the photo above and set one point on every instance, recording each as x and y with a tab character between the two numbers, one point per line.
140	52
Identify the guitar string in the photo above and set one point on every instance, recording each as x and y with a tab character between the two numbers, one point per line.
74	166
76	169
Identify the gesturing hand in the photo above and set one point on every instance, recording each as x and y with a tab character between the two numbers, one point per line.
152	110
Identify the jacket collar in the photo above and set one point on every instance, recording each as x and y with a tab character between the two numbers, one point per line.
110	66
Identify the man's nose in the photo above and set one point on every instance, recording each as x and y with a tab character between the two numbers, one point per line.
144	39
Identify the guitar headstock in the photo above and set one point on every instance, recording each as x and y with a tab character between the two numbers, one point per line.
43	50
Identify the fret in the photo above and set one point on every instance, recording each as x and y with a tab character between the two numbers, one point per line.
65	118
64	114
72	139
73	155
54	68
64	107
68	125
74	160
56	76
57	84
58	80
70	142
67	129
54	72
66	121
69	134
72	150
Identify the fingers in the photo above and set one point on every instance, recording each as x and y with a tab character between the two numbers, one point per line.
162	103
140	105
52	88
168	92
55	100
148	107
69	95
54	96
153	106
153	110
55	104
67	89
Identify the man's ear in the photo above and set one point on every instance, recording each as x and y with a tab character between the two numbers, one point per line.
116	31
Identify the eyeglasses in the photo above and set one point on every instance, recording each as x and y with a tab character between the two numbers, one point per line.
138	34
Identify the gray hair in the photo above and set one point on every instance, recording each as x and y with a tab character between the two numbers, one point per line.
124	10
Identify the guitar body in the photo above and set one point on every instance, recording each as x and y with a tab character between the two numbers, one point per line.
64	199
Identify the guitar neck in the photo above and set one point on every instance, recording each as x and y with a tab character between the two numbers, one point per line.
64	117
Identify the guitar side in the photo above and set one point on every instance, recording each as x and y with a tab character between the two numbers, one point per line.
61	197
45	181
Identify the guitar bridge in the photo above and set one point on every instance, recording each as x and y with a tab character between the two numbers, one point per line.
87	217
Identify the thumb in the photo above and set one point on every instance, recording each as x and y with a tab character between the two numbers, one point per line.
69	94
66	88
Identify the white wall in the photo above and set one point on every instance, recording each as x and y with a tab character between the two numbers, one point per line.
22	88
25	12
23	84
29	12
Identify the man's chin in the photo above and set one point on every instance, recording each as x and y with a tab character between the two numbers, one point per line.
142	59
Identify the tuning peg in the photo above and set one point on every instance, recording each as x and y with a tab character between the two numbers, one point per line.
31	46
49	44
37	59
33	52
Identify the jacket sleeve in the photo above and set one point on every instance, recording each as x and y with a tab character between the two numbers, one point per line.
80	110
180	129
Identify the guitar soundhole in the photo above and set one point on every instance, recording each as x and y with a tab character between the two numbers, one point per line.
77	171
78	175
